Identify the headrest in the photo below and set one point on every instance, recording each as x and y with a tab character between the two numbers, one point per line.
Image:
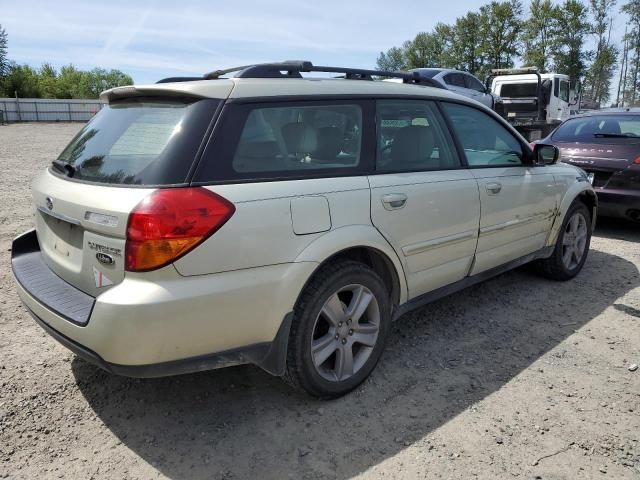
265	149
412	144
330	143
299	138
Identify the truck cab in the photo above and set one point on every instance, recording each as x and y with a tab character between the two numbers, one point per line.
534	103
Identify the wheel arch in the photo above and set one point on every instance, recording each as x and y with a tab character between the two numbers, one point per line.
361	243
581	192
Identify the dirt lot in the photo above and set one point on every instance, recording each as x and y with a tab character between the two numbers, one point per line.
515	378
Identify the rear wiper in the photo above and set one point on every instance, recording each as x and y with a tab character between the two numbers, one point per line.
64	167
614	135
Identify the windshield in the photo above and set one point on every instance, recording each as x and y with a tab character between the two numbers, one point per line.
600	129
139	141
519	90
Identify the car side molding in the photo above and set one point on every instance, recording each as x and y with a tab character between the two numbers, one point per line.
439	293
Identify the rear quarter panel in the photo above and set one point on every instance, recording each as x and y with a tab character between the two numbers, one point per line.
261	232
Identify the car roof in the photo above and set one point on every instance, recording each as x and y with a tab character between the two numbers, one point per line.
609	111
236	88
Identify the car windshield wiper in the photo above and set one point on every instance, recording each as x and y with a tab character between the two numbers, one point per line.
64	167
614	135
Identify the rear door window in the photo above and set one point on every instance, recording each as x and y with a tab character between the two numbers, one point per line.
564	91
473	83
286	139
140	142
412	137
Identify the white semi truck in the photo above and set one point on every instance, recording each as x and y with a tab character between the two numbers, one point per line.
534	103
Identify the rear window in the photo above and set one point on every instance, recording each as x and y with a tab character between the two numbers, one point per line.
455	79
426	72
140	142
600	129
519	90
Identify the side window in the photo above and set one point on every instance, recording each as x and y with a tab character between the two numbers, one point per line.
485	141
454	79
299	138
473	83
411	137
564	90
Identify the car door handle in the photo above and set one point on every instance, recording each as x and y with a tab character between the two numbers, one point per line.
394	201
494	188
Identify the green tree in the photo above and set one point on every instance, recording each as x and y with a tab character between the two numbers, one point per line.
429	49
567	51
423	51
71	82
600	73
501	27
630	93
99	79
21	80
539	34
48	81
466	50
4	61
391	60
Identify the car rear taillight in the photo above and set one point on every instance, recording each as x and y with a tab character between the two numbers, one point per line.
637	161
169	223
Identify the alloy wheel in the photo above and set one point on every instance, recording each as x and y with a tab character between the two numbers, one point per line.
574	241
345	332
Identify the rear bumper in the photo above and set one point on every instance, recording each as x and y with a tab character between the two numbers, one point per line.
36	278
269	355
619	203
160	323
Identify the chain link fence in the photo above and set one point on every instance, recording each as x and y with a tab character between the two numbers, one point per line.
47	110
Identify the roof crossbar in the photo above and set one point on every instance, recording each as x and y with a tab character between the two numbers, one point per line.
294	69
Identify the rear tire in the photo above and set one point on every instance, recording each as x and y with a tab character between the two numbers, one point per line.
340	325
572	245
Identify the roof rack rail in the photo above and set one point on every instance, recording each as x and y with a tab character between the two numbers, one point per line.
294	69
178	79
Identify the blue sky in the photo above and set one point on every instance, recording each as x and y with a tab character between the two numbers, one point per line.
153	39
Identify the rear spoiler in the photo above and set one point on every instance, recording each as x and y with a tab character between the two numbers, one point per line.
119	93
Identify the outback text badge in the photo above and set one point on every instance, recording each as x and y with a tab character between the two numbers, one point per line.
105	259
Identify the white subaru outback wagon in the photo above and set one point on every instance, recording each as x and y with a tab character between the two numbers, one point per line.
284	221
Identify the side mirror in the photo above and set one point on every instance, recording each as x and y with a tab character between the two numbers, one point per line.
545	154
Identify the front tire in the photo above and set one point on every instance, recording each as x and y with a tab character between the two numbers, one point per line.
572	245
339	329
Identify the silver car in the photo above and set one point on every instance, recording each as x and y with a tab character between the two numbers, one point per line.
460	82
282	221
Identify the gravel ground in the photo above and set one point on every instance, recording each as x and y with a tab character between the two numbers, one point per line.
518	377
